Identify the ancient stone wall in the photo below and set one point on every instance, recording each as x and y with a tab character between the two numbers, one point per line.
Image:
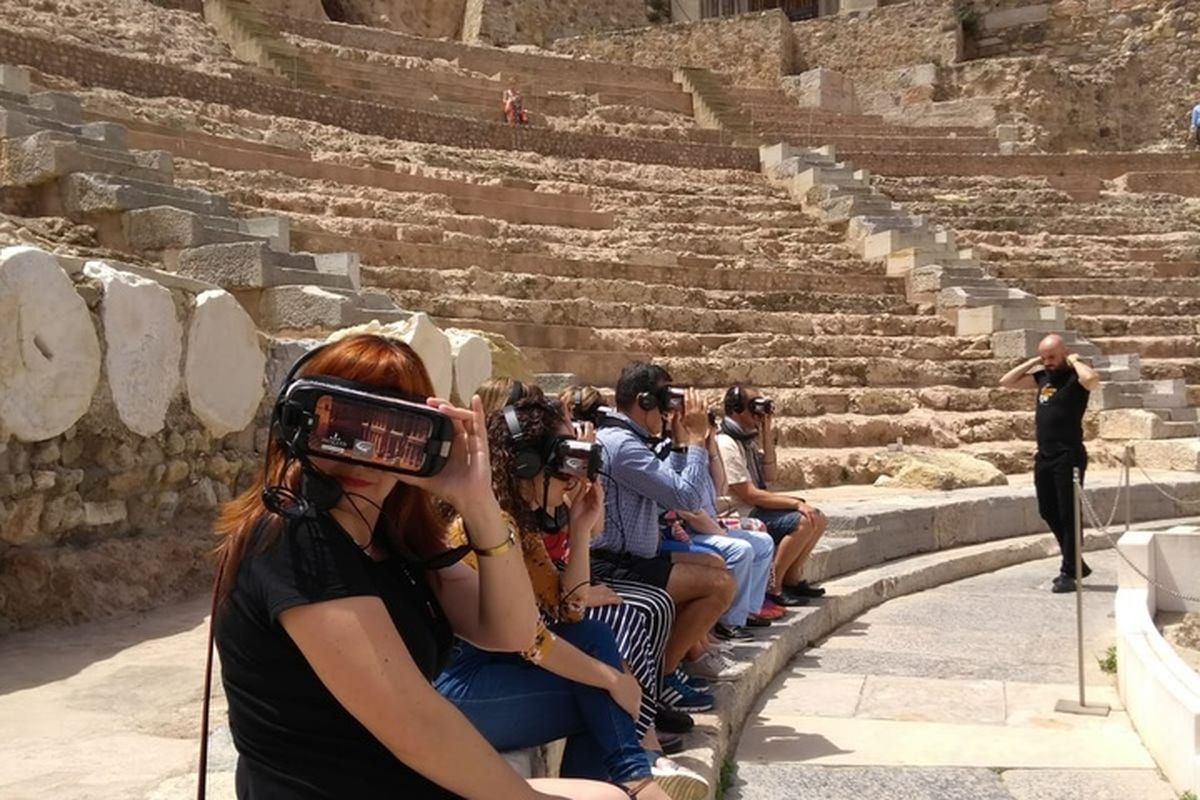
1089	88
94	68
883	50
754	49
127	414
504	22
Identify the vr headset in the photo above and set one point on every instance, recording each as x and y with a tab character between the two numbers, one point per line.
571	458
326	417
666	399
762	406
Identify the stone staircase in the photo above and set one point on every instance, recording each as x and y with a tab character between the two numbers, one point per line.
85	171
961	289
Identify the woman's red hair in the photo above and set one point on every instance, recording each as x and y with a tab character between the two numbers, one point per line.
413	522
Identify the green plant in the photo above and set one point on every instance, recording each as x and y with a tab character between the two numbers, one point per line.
1108	665
1188	795
728	776
970	20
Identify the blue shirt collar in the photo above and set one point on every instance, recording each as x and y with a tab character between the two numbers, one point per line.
645	434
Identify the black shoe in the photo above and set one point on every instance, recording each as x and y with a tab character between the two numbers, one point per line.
787	600
804	589
757	622
732	633
671	743
668	720
1063	584
1070	573
1086	570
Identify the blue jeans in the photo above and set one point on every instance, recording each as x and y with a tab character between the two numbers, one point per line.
516	704
748	557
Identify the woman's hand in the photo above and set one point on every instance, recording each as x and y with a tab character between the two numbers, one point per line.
586	503
596	595
627	693
465	482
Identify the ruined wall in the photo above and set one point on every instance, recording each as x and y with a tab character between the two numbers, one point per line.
755	49
504	22
886	52
127	413
1083	67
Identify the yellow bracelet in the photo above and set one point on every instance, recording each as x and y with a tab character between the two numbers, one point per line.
500	549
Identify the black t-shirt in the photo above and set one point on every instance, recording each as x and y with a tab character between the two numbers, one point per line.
1061	403
293	738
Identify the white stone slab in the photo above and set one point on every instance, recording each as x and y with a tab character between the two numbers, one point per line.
423	336
225	365
49	351
145	344
472	363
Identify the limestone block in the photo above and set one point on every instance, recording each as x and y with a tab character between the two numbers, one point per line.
1173	454
434	348
105	134
24	520
1011	17
822	88
1130	423
347	264
49	352
63	105
14	80
472	363
145	343
276	230
15	125
234	265
938	469
104	513
225	366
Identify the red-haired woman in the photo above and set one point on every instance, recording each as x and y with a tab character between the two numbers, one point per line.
332	625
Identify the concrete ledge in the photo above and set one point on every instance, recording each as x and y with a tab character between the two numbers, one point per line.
1160	691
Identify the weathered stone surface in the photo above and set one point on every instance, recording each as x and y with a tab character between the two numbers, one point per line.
225	365
423	336
145	344
824	89
472	363
49	352
938	469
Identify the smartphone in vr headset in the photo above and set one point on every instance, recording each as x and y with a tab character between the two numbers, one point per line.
673	399
571	458
329	418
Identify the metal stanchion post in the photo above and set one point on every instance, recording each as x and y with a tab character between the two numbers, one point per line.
1127	460
1071	706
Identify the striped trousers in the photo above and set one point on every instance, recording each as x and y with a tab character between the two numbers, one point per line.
641	625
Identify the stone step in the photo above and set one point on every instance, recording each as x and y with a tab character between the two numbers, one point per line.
1098	327
1020	270
1186	369
922	428
684	269
166	228
1132	286
991	294
819	467
607	289
242	266
312	309
47	155
1126	424
1108	304
1076	224
1162	394
241	154
1163	346
89	193
1023	343
714	317
974	321
849	146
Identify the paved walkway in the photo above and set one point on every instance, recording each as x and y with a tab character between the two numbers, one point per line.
949	695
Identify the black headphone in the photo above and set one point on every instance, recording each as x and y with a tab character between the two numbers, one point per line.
530	460
577	403
318	492
735	401
647	401
515	393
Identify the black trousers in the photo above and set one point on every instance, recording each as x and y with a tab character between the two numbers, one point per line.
1052	477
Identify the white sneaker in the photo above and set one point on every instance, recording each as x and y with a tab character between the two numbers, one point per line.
679	782
713	666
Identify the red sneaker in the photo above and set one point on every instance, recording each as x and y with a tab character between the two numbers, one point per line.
771	611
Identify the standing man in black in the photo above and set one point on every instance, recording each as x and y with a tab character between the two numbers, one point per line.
1064	383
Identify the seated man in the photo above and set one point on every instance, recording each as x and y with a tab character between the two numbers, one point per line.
793	524
637	484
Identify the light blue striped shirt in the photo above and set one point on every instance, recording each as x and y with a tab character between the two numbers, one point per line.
637	486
